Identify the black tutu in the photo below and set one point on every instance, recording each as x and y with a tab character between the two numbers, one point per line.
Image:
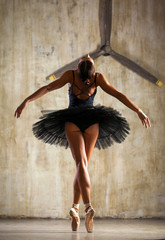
112	126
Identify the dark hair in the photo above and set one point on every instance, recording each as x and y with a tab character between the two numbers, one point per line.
86	70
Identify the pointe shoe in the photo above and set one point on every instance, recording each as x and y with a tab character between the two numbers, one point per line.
75	223
89	219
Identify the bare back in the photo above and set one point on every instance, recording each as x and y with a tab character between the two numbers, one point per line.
81	90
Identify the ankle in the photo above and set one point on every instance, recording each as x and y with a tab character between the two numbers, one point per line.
76	206
87	206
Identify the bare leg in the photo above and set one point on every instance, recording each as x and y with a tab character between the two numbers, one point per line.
77	146
82	146
90	136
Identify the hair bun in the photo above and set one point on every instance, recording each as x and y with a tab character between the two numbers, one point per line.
86	82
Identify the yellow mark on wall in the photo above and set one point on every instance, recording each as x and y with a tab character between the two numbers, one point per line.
159	83
52	77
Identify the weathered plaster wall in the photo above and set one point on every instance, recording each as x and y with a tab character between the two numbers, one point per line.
39	36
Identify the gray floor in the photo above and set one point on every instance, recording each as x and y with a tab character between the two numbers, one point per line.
30	229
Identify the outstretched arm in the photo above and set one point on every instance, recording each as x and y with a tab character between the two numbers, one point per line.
65	78
108	88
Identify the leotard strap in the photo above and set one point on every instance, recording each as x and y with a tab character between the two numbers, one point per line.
81	91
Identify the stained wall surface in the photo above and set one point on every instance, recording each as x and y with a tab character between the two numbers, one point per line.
40	36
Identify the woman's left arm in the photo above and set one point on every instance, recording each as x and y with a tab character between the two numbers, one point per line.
108	88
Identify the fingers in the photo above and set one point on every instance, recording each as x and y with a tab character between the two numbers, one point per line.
17	114
146	122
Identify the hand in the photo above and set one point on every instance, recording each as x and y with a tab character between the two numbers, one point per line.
20	109
144	119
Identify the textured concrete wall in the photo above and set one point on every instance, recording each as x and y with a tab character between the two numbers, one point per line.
39	36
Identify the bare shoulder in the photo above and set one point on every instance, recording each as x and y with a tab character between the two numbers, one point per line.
67	76
60	82
106	86
100	79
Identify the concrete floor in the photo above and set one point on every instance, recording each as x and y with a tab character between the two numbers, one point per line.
105	229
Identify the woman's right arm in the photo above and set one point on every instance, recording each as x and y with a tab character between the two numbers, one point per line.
65	78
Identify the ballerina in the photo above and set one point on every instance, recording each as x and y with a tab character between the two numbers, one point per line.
83	126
